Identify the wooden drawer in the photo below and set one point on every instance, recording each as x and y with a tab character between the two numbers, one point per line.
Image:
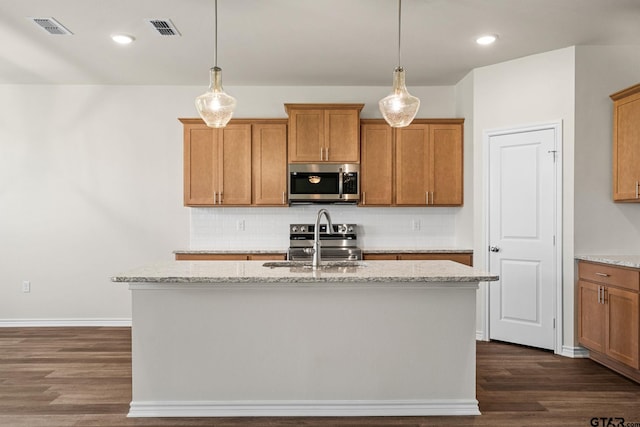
461	258
609	275
380	257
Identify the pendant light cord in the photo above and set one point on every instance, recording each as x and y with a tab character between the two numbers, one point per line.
399	29
215	47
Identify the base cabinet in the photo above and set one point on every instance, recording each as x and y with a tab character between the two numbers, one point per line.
609	316
462	258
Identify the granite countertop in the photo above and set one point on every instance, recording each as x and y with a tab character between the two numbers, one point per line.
231	272
229	251
418	251
369	251
632	261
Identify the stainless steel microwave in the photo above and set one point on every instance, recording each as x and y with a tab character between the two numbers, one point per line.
324	183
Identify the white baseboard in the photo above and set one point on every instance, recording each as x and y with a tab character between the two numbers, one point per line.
574	352
23	323
324	408
480	336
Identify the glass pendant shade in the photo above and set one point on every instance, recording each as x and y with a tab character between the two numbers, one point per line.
400	107
215	106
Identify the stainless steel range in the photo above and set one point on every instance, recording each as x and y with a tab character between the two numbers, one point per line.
341	245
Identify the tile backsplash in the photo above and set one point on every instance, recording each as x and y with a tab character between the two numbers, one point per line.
268	228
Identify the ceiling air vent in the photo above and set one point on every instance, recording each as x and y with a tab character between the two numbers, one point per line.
164	27
51	26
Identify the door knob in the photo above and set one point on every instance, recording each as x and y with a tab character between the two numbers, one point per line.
494	249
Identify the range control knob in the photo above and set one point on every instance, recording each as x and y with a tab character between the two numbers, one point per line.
341	228
294	229
350	229
303	228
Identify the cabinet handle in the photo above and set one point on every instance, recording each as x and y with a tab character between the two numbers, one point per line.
427	195
364	198
283	198
637	188
327	153
604	295
321	154
602	274
432	202
214	197
599	289
220	197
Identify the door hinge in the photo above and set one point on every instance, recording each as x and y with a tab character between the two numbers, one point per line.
554	323
554	240
555	153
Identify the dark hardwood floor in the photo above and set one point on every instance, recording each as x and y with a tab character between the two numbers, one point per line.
82	377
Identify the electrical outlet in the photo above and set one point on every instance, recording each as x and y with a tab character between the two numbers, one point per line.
26	286
415	225
240	225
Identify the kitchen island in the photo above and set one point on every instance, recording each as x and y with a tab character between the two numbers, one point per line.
236	338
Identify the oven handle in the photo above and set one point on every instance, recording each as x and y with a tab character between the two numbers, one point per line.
340	183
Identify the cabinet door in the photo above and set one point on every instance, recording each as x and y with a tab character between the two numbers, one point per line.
412	160
235	185
306	135
341	132
626	148
201	166
446	164
270	164
591	316
376	166
622	326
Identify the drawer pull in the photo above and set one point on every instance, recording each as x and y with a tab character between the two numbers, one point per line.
602	274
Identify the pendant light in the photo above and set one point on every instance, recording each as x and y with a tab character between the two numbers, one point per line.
215	106
400	107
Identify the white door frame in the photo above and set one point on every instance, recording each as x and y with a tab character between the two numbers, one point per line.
556	126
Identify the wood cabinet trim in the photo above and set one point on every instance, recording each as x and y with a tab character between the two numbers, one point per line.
289	107
625	92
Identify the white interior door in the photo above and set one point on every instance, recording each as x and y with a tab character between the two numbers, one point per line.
522	240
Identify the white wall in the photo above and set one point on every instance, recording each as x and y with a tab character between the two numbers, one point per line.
601	226
91	185
531	90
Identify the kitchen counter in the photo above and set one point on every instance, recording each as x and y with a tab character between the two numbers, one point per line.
418	251
235	338
429	273
229	251
632	261
281	251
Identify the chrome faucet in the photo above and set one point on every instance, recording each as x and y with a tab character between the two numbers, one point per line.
316	237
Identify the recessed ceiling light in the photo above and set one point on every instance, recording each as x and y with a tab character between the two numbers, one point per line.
122	38
487	39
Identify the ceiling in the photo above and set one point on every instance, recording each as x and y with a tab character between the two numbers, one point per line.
295	42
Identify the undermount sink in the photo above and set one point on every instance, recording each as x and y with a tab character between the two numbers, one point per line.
336	266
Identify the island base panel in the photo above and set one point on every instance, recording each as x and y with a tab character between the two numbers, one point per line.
312	350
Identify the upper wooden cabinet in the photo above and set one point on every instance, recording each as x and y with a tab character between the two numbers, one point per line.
418	165
241	164
324	132
626	145
270	163
376	166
